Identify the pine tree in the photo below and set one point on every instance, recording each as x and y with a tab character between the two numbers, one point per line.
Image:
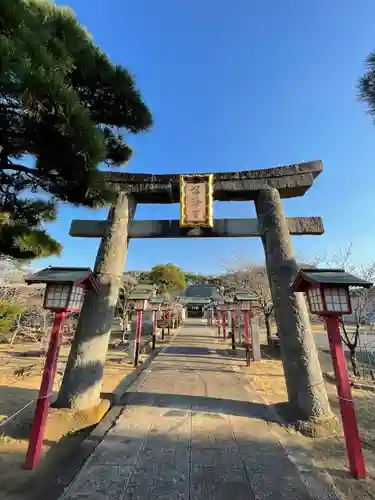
63	104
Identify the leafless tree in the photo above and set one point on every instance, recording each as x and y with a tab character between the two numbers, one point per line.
32	321
253	279
124	304
363	299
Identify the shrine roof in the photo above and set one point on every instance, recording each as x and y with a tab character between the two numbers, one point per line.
201	290
291	181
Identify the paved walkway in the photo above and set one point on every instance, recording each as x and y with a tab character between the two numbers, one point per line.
192	428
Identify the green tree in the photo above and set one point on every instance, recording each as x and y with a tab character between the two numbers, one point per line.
366	85
196	279
62	107
168	278
9	311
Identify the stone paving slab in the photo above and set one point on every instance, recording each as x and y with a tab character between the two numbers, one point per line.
220	483
192	429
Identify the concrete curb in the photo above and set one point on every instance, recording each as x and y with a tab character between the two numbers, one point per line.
68	467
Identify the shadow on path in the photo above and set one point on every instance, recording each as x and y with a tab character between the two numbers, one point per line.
199	403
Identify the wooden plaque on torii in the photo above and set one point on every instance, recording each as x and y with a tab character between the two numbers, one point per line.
196	200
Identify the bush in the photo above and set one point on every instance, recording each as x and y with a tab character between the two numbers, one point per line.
9	311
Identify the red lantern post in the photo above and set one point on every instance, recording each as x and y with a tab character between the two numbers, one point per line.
224	319
327	292
164	309
65	291
155	306
169	320
155	326
233	324
347	410
218	316
45	392
139	305
138	336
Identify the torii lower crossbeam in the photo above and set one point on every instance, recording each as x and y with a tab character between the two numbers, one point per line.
232	228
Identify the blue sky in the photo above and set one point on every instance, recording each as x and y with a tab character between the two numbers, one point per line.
236	85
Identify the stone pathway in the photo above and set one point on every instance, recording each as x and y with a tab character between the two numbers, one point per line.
192	428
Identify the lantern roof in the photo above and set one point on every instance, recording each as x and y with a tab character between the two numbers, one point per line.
245	296
326	277
140	296
145	287
67	275
156	300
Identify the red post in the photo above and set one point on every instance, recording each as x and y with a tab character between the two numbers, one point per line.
138	337
169	321
224	323
247	337
162	324
154	329
45	392
349	420
233	327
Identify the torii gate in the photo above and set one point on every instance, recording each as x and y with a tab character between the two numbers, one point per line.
266	187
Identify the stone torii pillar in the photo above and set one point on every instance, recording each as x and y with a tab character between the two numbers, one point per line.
302	370
82	381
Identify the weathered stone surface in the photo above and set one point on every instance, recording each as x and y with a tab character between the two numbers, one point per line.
255	341
291	181
203	457
104	482
302	370
233	228
220	483
82	381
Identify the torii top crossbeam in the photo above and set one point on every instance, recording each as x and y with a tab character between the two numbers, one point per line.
290	181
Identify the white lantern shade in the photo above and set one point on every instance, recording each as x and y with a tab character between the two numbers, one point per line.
56	296
62	296
329	300
155	306
337	300
140	304
315	299
76	299
245	305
